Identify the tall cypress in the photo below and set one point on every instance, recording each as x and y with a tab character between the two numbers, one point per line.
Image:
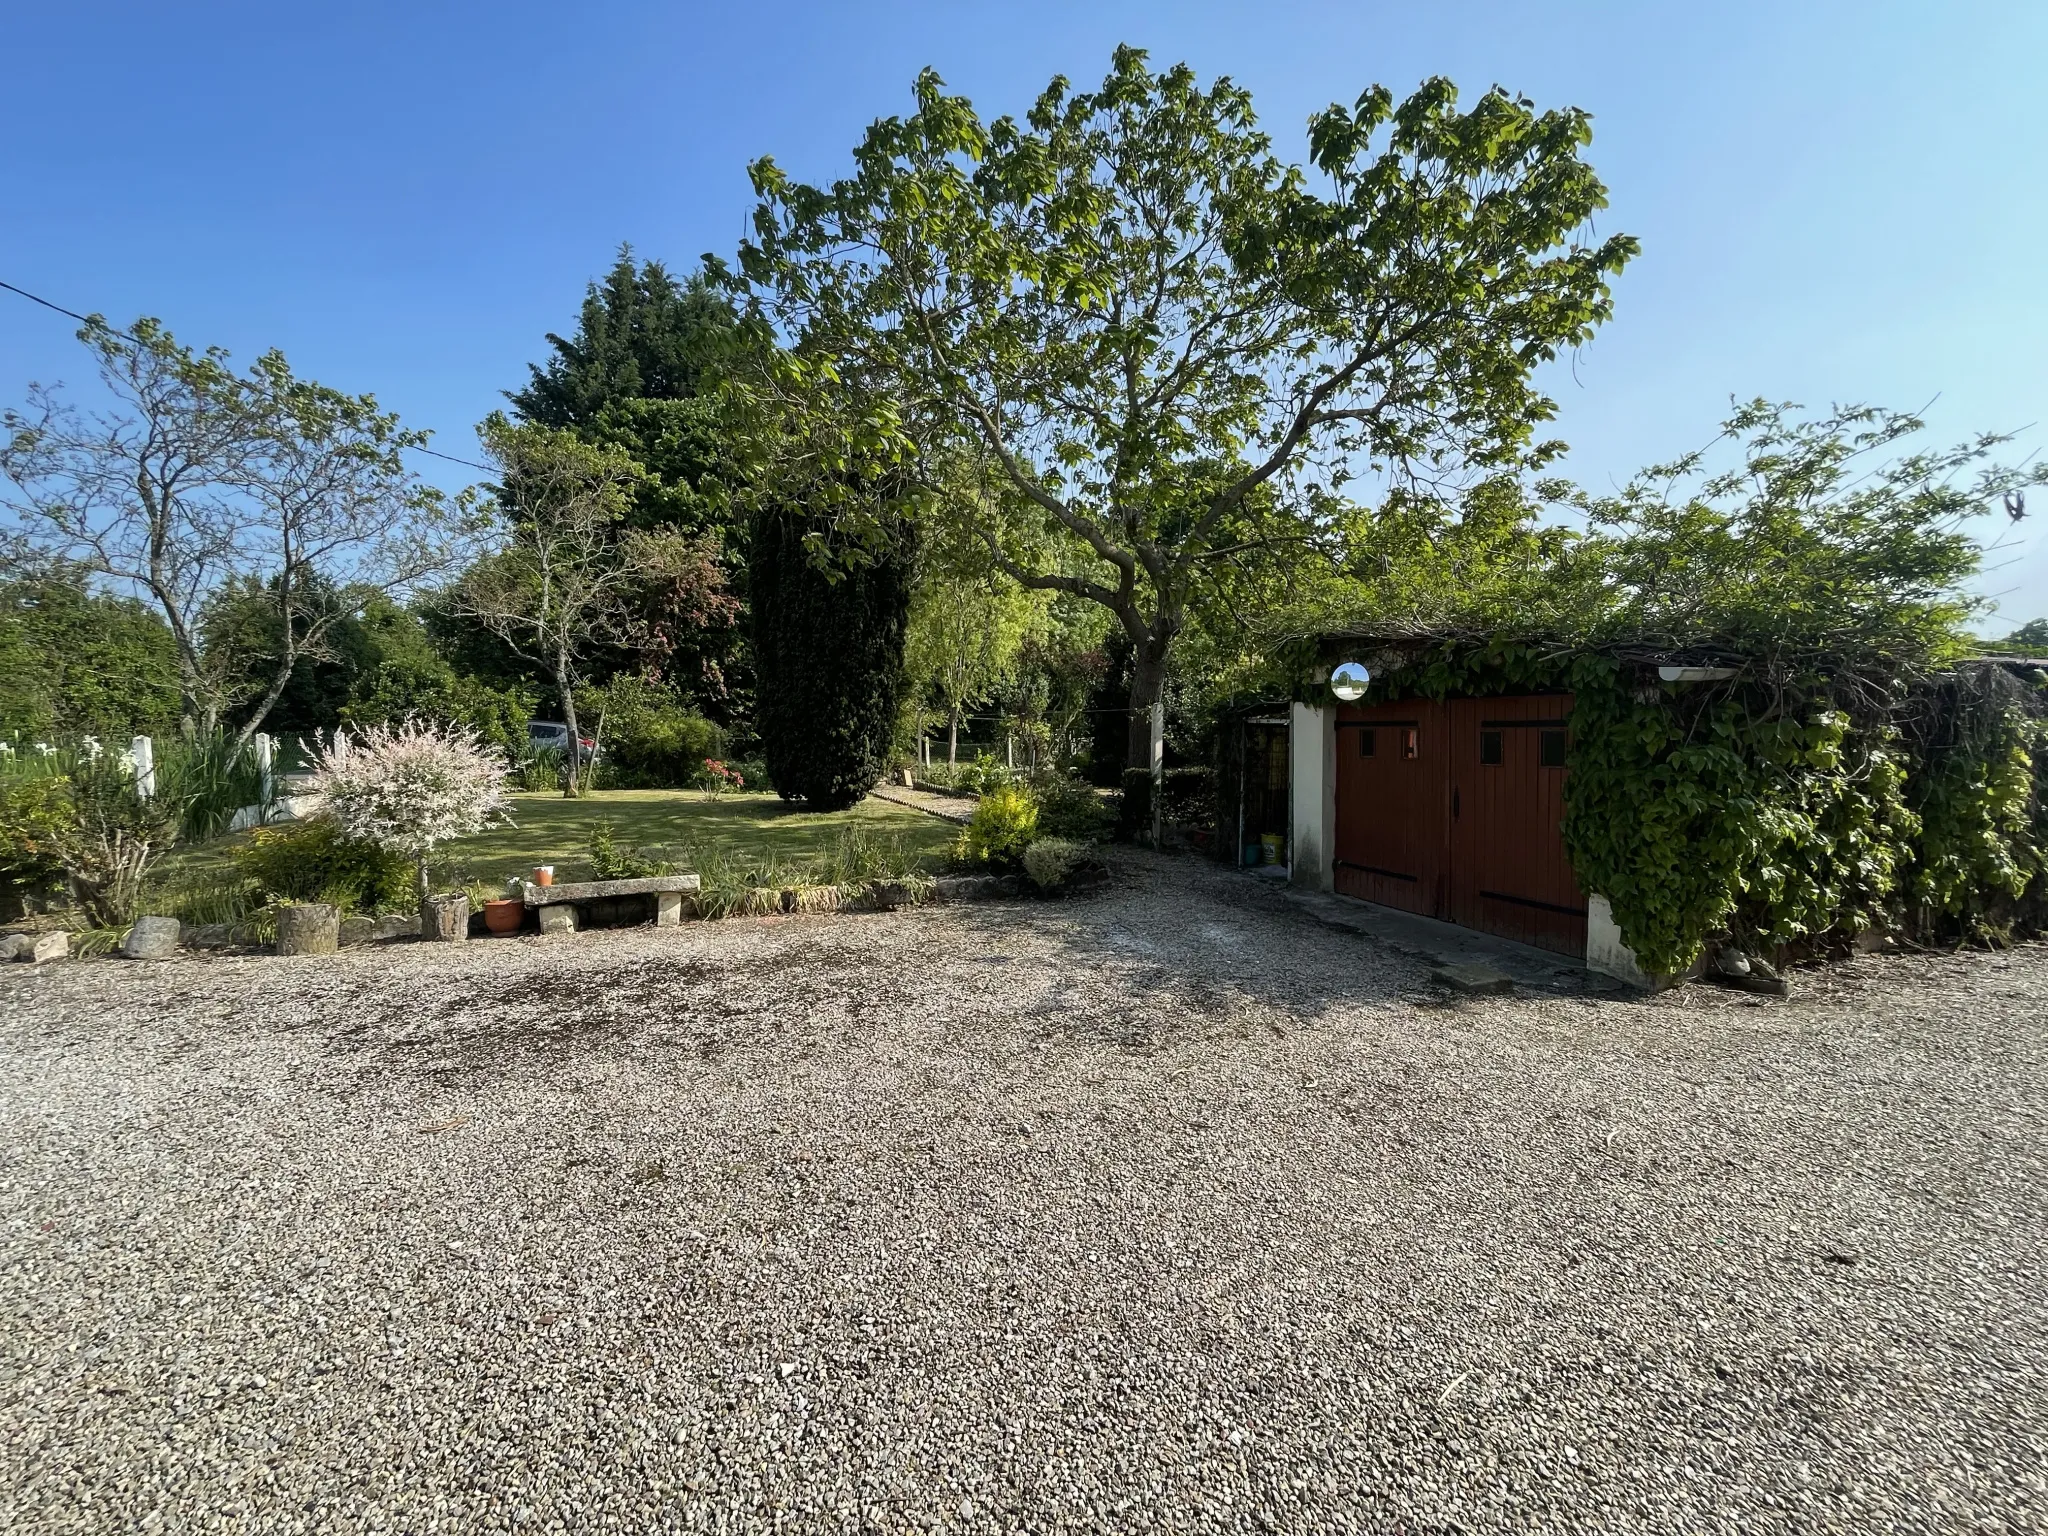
828	658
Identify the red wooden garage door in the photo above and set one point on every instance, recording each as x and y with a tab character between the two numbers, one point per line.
1509	874
1456	811
1390	804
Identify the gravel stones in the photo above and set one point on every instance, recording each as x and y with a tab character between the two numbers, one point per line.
152	938
1168	1209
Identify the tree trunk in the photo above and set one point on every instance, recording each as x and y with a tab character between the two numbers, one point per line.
1148	687
572	768
953	737
278	682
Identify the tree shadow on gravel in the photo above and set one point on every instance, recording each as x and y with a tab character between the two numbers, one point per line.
525	1026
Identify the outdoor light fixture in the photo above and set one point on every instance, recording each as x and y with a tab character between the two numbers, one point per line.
1696	674
1349	680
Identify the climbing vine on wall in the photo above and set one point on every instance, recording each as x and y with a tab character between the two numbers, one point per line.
1976	787
1704	810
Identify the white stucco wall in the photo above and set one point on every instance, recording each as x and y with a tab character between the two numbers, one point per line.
1312	764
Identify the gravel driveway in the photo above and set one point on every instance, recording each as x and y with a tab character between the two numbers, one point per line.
1167	1209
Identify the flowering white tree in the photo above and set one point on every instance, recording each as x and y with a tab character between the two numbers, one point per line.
411	786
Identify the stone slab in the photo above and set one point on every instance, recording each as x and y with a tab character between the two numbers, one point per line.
599	890
559	918
1477	980
372	930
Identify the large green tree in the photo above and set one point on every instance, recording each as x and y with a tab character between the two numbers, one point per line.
640	375
1142	318
201	484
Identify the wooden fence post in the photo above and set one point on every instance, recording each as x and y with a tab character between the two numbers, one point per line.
142	755
266	763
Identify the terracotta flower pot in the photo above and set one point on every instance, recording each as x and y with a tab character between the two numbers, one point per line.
543	874
504	916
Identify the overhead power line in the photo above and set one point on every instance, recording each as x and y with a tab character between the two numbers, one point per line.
36	298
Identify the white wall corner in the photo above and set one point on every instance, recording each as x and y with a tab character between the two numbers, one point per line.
1605	951
1312	768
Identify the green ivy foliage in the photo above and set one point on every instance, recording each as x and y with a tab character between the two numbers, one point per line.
1979	806
1705	810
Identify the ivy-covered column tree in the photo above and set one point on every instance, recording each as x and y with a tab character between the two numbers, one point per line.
828	653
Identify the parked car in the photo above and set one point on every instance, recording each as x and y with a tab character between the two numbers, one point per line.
553	736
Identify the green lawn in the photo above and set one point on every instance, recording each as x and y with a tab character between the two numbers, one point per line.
551	830
547	829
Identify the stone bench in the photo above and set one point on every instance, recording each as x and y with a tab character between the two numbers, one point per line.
559	904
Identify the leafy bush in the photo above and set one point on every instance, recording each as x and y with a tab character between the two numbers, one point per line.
1005	821
716	777
1070	809
113	834
828	651
1051	861
983	774
314	860
35	813
410	787
611	860
651	740
428	688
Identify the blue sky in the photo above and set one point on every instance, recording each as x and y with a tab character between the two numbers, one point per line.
1836	201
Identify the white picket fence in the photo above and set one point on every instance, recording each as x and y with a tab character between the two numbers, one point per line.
273	806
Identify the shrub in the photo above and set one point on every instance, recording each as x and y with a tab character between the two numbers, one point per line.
314	860
429	689
1051	861
612	860
862	855
717	777
828	653
651	741
982	775
206	898
411	787
1070	809
35	813
539	772
1005	821
211	778
113	834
